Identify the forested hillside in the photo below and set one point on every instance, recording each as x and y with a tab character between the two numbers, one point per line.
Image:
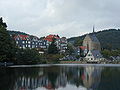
109	39
16	32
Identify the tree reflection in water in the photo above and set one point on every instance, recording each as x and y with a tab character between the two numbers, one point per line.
55	77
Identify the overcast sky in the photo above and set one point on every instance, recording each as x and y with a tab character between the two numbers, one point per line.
63	17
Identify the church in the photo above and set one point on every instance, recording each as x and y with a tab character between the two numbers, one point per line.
93	48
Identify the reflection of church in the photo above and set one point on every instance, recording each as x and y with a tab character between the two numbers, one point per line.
91	77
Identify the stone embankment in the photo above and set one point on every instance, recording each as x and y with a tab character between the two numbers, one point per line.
84	62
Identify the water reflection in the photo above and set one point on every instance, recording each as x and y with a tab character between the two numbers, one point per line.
60	77
91	77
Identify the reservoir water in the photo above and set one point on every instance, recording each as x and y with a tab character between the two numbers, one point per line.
60	77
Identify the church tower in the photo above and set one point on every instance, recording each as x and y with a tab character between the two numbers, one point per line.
91	42
93	48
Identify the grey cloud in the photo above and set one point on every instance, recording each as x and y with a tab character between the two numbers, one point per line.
64	17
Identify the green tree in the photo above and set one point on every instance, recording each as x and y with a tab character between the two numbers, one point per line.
70	49
7	45
28	56
52	49
78	42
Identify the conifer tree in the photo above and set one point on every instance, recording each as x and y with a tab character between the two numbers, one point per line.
7	46
52	49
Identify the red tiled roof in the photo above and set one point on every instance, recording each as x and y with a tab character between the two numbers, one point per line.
23	37
83	47
50	37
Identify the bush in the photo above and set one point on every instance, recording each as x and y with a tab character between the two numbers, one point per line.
28	56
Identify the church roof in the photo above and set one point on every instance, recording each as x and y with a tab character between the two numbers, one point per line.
96	54
94	38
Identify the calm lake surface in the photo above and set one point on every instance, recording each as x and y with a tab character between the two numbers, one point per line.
60	77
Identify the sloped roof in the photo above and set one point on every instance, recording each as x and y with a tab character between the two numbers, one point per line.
83	47
50	37
22	37
96	54
26	37
94	38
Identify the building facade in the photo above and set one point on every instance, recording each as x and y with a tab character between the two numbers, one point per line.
29	41
61	43
26	41
91	42
93	48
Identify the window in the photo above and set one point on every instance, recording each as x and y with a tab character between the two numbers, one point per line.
18	39
23	46
23	42
29	46
16	42
33	46
89	54
29	42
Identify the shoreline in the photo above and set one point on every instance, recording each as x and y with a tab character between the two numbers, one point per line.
49	65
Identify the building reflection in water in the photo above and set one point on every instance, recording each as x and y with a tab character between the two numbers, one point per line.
91	77
57	77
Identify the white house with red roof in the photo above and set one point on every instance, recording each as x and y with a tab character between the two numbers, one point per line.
28	41
60	42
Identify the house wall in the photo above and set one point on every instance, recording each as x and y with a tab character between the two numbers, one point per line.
89	57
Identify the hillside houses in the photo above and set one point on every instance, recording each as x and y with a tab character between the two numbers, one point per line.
29	41
61	43
26	41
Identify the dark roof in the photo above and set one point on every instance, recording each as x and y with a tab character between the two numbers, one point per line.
94	38
96	54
